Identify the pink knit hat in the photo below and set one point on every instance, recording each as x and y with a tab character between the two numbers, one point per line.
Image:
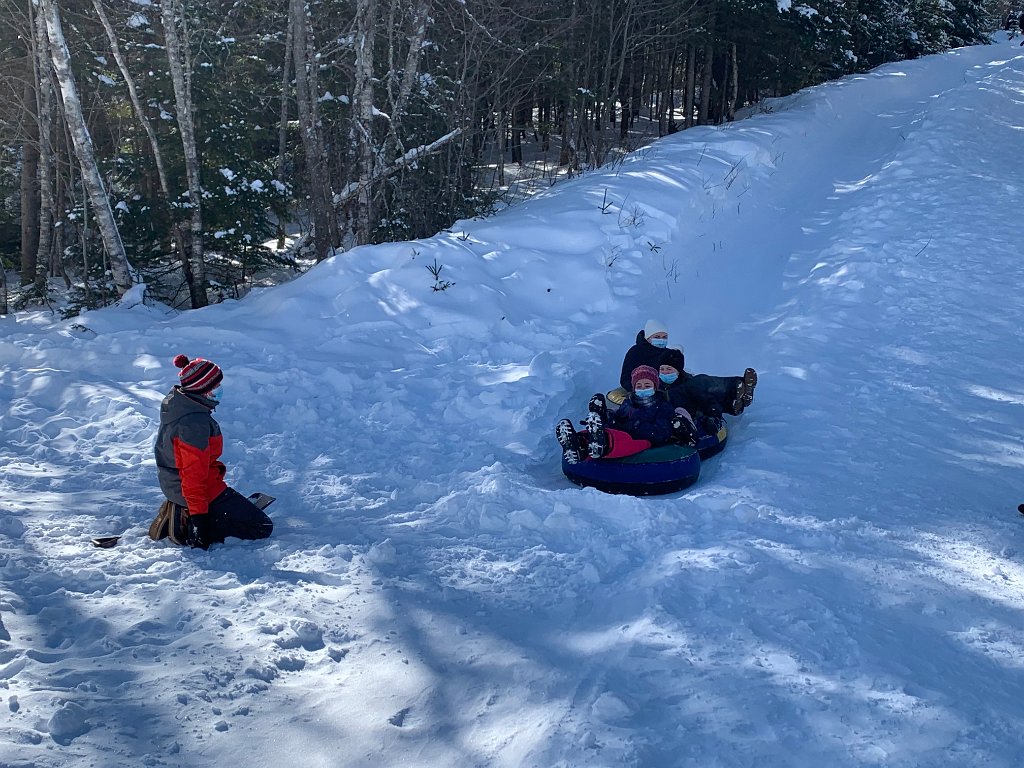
643	372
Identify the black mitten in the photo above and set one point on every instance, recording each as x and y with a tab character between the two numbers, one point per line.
200	531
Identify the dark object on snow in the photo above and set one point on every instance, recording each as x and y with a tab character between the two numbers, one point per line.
261	500
1020	508
105	542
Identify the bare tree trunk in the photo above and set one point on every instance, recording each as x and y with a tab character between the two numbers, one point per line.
84	150
409	158
734	90
282	129
182	81
30	186
705	84
691	84
161	172
325	229
365	13
723	102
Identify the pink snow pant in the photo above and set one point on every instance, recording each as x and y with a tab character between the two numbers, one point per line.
621	444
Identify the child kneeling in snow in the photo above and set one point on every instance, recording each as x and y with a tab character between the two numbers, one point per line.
645	420
200	509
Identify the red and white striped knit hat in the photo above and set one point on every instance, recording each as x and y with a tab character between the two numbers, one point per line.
199	376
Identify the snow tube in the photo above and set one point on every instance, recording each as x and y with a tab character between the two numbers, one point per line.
666	469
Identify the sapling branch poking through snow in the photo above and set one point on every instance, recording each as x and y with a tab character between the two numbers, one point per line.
439	284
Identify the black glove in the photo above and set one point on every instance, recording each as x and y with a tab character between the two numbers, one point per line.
200	531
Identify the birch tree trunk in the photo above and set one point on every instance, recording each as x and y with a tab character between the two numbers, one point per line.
161	171
365	13
318	182
48	202
420	17
61	59
182	80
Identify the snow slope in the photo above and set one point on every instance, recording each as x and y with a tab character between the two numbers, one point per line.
842	587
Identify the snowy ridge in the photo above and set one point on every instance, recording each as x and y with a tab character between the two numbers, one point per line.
843	586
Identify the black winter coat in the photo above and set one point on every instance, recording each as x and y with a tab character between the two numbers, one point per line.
646	421
641	353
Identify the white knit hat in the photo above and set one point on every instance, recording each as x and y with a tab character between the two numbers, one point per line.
654	326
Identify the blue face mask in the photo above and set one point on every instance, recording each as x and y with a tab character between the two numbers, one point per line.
660	343
668	378
642	393
216	393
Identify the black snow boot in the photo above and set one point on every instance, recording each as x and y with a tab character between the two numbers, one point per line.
599	406
744	391
683	431
597	434
711	423
566	435
749	382
177	530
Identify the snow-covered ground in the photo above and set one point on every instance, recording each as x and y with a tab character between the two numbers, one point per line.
843	586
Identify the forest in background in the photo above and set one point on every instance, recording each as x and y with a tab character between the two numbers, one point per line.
165	143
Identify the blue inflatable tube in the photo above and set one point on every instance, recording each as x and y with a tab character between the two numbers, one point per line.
666	469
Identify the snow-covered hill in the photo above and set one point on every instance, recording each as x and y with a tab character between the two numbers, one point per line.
843	586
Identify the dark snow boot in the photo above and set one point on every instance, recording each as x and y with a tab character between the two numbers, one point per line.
744	391
749	382
566	435
683	431
711	424
598	437
599	406
177	530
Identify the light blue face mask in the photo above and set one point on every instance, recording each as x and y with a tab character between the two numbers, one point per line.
668	378
215	394
644	392
660	343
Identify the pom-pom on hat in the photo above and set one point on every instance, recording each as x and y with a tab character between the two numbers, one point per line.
199	376
643	372
654	326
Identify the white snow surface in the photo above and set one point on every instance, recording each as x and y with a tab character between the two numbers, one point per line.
842	587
